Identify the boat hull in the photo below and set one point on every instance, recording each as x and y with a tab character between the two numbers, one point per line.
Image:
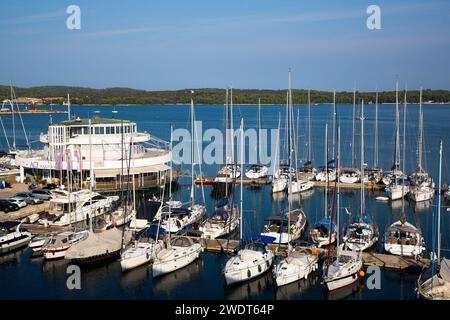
162	267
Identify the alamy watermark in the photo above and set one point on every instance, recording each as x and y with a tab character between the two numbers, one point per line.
73	21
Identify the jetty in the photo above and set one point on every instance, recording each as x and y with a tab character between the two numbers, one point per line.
23	213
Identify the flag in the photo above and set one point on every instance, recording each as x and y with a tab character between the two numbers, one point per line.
57	159
68	159
79	160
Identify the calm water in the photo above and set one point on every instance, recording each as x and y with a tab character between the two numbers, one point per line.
23	277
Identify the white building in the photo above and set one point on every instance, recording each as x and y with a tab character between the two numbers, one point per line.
67	149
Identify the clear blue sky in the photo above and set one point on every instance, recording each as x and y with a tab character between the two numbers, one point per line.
207	43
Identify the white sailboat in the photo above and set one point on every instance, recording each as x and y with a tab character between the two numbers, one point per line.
324	233
423	185
395	190
279	182
254	259
230	171
403	239
344	270
223	221
180	218
257	171
434	281
361	234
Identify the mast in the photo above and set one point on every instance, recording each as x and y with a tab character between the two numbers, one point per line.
192	155
437	223
397	133
338	192
353	128
334	123
232	131
68	107
259	131
326	170
242	186
91	172
375	157
13	117
404	134
362	159
170	183
420	139
309	125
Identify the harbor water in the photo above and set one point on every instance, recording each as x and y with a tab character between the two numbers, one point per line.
23	277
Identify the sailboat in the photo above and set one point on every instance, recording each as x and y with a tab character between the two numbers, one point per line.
394	189
423	185
252	260
299	263
434	281
324	233
279	181
307	171
328	171
351	174
230	171
361	234
375	174
223	221
345	268
257	171
403	239
180	218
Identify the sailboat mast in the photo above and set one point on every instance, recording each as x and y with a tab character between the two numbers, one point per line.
337	191
232	131
362	158
242	185
309	125
439	206
404	134
192	155
91	172
334	123
13	117
397	132
420	140
326	170
375	162
68	107
353	127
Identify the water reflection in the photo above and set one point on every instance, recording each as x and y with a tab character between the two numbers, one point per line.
252	289
296	289
170	282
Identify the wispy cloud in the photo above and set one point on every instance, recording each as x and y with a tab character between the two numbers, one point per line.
40	17
124	31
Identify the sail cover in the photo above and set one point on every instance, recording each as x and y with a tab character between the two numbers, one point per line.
98	244
445	269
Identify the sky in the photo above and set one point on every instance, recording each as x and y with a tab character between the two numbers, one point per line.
176	44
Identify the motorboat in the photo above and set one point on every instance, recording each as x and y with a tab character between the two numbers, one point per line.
13	236
350	175
256	171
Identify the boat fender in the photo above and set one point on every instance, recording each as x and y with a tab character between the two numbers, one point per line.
362	273
314	250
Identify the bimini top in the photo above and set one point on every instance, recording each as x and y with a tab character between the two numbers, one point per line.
220	215
94	120
182	242
256	246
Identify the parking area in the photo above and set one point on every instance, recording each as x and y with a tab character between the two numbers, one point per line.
22	212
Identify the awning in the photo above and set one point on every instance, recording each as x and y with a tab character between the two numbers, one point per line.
104	173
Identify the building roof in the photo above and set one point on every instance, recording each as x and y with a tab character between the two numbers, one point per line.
94	120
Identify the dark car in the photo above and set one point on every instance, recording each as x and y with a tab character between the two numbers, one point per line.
8	206
50	186
42	194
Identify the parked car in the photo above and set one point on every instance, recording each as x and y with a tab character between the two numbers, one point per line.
28	197
42	194
20	203
8	206
50	186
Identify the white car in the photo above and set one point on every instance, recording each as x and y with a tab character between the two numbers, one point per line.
21	203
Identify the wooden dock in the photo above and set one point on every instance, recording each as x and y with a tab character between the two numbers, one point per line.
38	229
353	186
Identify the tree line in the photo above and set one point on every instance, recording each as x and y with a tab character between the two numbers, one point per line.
120	96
